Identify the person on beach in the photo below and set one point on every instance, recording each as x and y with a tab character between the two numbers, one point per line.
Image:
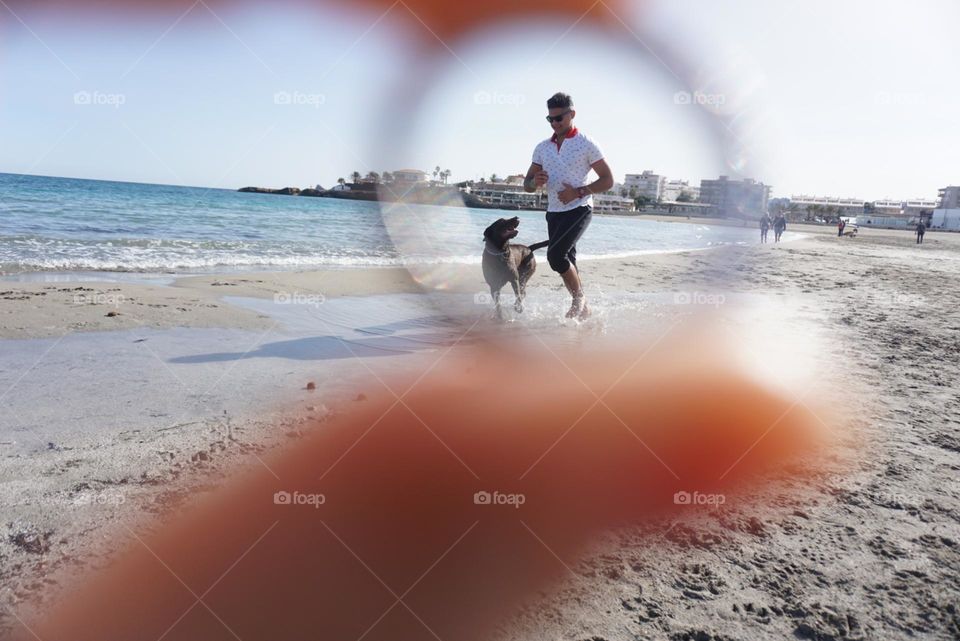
841	223
779	226
560	165
764	227
921	230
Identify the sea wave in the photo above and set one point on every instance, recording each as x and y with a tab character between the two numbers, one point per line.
246	262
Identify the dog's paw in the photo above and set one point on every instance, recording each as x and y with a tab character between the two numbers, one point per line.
518	306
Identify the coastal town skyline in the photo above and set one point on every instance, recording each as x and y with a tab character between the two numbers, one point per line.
774	195
694	182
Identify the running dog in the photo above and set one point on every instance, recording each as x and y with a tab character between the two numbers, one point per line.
505	262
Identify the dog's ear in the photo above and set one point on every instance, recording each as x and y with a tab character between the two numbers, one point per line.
489	231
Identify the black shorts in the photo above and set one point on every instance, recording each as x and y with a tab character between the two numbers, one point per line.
564	228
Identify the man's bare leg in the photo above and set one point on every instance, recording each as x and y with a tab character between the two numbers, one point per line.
578	308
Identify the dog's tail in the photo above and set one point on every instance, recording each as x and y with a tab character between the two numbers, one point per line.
534	247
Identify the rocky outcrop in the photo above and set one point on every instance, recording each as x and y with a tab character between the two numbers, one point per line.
286	191
447	196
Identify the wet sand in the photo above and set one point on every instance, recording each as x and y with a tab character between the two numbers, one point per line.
857	542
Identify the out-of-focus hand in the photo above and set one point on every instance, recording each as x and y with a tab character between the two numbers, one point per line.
569	193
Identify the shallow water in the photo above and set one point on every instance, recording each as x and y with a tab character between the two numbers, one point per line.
65	224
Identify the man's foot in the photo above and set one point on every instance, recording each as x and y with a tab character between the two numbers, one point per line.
584	312
577	307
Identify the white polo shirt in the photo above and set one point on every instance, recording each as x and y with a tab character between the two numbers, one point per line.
570	163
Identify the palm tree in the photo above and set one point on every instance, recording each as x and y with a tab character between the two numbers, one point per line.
355	176
792	211
387	177
373	176
446	174
494	178
341	181
436	172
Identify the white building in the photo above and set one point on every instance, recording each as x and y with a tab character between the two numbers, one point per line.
646	184
916	206
673	188
947	213
509	193
830	205
610	202
735	198
897	213
409	176
887	212
949	198
888	207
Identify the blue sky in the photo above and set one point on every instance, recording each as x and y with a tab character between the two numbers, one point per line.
846	99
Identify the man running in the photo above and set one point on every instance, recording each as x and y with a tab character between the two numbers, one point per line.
560	165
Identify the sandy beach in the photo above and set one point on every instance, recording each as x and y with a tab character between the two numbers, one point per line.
126	402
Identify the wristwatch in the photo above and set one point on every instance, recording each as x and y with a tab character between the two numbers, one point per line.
583	192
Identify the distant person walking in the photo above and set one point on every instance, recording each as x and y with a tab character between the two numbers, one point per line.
841	224
560	165
764	227
779	226
921	230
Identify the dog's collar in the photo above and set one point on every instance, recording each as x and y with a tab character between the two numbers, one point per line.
506	250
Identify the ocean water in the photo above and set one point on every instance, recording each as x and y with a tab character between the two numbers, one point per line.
67	224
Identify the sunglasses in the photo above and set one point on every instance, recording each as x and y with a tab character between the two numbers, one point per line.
558	118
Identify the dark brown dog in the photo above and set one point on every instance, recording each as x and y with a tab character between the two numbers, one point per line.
505	262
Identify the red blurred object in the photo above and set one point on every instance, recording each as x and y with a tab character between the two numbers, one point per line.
448	20
452	20
402	546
